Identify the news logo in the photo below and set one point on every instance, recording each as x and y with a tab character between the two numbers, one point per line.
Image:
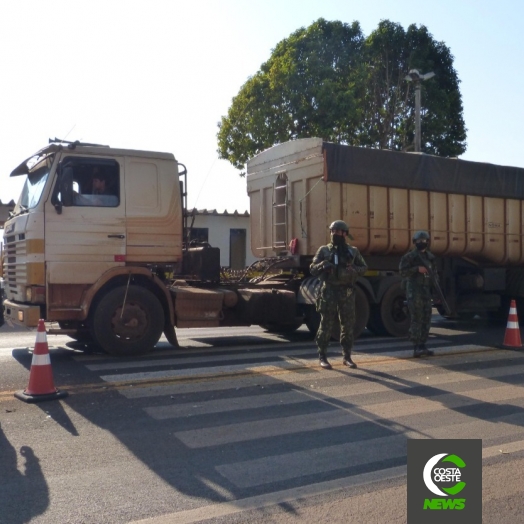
444	481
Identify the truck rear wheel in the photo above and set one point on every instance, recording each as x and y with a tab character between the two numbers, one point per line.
135	329
391	316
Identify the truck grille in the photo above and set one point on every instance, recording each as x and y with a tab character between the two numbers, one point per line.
15	260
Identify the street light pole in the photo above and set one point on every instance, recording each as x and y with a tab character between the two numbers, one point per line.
417	116
416	77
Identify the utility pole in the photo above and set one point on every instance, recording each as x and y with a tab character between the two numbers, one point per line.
416	77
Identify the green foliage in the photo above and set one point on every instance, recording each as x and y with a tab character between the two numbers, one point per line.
327	80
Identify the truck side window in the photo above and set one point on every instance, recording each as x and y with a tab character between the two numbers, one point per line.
96	183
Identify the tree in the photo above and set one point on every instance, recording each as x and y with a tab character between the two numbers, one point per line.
329	81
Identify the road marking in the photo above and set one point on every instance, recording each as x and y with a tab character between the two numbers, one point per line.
286	496
174	378
251	352
345	410
280	362
279	497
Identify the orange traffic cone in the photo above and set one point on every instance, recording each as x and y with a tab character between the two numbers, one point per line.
41	386
512	336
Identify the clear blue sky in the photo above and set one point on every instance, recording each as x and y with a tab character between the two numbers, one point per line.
159	74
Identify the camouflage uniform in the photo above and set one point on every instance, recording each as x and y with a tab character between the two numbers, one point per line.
418	293
337	293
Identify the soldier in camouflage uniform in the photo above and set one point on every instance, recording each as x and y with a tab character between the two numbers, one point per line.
417	284
338	265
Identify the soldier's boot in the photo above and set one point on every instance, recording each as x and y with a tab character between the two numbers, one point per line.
417	351
347	361
425	351
323	361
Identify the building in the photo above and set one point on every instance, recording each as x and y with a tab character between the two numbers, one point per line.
228	231
5	209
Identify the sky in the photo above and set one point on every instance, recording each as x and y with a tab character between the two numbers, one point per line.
158	75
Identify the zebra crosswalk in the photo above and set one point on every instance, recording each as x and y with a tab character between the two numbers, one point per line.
269	425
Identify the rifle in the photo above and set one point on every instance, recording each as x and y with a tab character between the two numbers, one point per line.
436	285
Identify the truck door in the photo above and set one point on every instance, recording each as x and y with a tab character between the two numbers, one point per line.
85	234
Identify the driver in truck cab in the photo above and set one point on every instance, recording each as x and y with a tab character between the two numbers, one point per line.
99	193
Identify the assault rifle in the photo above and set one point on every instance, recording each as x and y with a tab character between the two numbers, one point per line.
436	285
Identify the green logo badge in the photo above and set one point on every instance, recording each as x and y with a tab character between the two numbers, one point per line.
434	476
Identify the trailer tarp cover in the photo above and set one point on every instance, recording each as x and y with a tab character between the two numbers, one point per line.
360	165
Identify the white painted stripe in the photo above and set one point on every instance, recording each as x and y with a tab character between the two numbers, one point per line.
314	373
320	460
346	413
237	506
213	370
41	336
512	311
41	360
279	497
285	363
513	325
228	404
396	366
198	360
255	352
279	468
258	429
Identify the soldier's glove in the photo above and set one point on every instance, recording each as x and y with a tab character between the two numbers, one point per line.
326	265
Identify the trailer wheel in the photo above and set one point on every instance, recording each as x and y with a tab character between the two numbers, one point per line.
133	331
391	317
361	317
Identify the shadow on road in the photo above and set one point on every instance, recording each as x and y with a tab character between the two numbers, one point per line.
23	495
166	428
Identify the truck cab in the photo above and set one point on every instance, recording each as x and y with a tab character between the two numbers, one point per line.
69	234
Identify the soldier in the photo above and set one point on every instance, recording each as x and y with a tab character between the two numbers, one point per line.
417	284
338	265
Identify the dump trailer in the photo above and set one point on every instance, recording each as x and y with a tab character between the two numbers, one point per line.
473	211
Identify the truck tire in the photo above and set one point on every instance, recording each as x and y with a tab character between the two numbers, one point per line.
134	332
391	316
361	317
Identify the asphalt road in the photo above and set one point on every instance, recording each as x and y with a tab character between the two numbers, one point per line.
239	425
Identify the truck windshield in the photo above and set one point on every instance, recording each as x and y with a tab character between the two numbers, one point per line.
34	184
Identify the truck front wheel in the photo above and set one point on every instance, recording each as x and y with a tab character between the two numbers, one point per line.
125	325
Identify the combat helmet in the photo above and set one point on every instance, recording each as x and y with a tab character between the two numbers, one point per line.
420	235
339	224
